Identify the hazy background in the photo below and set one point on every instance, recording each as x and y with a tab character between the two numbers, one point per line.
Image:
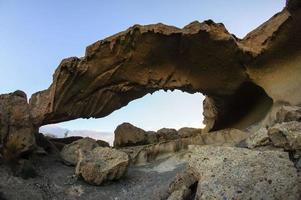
36	35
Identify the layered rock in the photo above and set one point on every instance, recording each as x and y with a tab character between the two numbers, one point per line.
101	164
147	153
236	173
159	56
17	133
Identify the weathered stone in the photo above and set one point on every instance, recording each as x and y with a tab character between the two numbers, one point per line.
238	173
258	138
286	135
288	113
127	134
181	194
183	180
16	128
101	164
147	153
229	136
102	143
70	152
152	137
189	132
165	134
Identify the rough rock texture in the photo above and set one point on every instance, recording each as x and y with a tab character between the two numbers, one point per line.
16	128
288	113
70	152
259	138
127	134
101	164
183	186
242	77
166	134
189	132
236	173
286	135
102	143
148	153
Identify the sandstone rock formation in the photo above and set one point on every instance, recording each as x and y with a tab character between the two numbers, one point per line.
237	173
259	138
183	186
147	153
127	134
101	164
286	135
17	132
186	132
166	134
70	152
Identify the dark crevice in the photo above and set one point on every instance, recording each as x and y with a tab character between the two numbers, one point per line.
248	105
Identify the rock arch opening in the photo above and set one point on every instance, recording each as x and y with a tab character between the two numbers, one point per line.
162	109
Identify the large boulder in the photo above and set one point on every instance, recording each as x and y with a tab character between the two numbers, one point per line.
127	134
166	134
238	173
16	128
101	164
70	152
186	132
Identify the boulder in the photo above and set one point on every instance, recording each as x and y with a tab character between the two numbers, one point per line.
102	143
189	132
152	137
70	152
16	128
101	164
258	138
166	134
127	134
286	135
238	173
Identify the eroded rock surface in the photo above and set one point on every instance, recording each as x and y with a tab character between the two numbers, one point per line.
237	173
17	133
101	164
148	153
70	152
286	135
127	134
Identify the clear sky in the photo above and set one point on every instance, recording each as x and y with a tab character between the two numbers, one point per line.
36	35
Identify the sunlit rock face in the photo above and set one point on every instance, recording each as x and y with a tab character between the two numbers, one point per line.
242	77
17	133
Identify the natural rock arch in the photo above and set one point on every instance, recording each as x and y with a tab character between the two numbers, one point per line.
201	57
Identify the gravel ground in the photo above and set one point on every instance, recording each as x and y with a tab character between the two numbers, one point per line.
55	181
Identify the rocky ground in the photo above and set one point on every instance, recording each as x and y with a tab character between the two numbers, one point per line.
250	148
56	181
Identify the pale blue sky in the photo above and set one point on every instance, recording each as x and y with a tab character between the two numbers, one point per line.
36	35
